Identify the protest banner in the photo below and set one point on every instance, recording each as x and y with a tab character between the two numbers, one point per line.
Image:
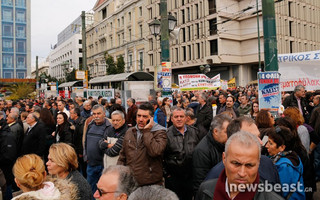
269	91
232	83
105	93
189	82
299	69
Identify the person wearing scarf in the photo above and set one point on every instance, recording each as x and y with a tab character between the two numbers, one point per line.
241	160
287	162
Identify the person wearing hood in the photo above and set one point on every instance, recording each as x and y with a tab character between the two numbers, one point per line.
288	163
159	116
143	147
31	178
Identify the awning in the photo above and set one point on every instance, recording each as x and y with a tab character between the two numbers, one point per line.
69	84
133	76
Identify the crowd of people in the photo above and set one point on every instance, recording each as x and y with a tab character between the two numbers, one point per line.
194	145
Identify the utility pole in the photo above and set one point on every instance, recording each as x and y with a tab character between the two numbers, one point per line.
270	36
165	55
37	76
84	53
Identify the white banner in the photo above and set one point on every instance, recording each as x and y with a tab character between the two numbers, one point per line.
299	69
198	82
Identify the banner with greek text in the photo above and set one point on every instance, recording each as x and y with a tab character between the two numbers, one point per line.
232	83
299	69
105	93
189	82
269	91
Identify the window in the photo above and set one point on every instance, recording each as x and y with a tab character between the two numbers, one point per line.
188	13
7	45
183	17
190	51
7	74
118	22
104	13
198	50
7	30
20	31
151	59
20	75
213	26
212	7
122	20
20	3
21	46
20	16
141	61
118	39
198	31
183	35
213	47
7	14
7	61
130	60
21	62
141	33
80	41
80	50
197	11
7	2
140	11
177	55
129	16
129	34
184	53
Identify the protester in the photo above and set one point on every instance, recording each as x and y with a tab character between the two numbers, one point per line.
63	163
132	112
95	131
245	106
181	142
209	151
264	120
30	176
86	113
230	108
63	132
241	159
153	192
116	182
254	110
159	116
204	112
288	163
143	147
62	108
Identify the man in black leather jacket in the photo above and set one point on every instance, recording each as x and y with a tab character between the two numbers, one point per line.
181	141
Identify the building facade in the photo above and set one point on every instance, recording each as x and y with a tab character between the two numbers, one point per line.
120	28
224	34
15	48
67	53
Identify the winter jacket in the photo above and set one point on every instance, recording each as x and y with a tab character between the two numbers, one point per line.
290	174
207	188
54	189
78	134
244	110
206	155
179	150
204	116
83	188
17	131
131	116
160	117
65	134
291	101
85	113
34	141
113	133
315	120
144	156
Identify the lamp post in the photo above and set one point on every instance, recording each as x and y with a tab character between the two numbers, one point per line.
167	24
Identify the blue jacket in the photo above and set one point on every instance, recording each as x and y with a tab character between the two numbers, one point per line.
290	174
160	117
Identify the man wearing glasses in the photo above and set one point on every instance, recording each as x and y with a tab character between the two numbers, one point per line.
116	182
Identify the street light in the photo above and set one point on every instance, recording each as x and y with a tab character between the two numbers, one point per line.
172	22
155	27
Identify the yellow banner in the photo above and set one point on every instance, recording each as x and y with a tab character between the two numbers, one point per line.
232	83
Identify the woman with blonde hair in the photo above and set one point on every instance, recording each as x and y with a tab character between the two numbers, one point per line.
30	177
63	163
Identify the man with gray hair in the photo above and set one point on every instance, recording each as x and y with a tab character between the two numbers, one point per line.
116	182
111	144
15	127
86	113
182	140
153	192
96	130
204	112
241	159
297	99
209	151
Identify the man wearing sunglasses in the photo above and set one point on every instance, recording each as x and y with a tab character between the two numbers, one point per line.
116	182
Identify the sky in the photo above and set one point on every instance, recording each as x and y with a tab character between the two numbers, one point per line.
48	19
